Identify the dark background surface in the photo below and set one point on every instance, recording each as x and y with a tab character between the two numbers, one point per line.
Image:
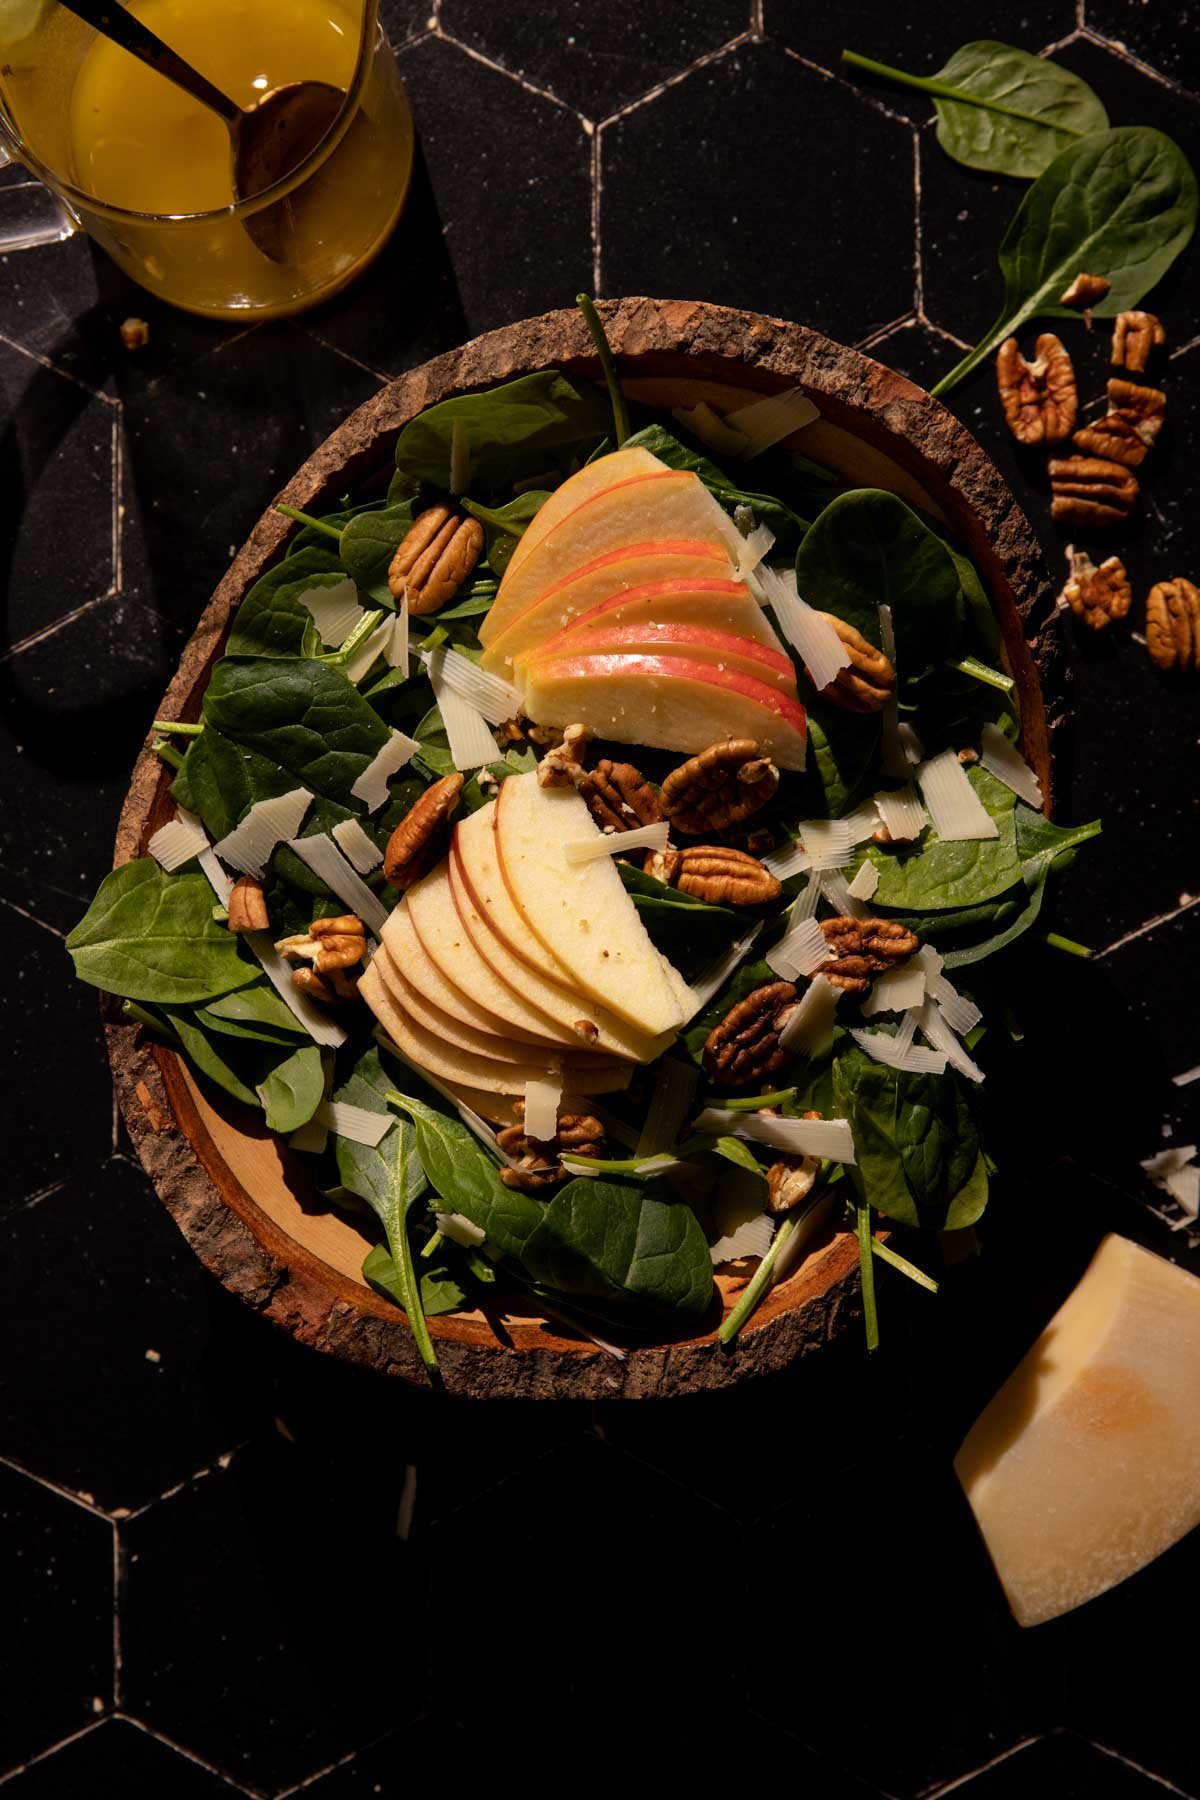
207	1583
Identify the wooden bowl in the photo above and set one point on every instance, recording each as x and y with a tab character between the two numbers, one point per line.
246	1205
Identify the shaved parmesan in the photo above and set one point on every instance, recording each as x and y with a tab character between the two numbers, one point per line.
809	633
717	974
177	842
961	1014
836	890
809	1031
335	611
805	904
674	1090
218	880
902	813
899	1053
892	758
756	546
770	420
330	866
319	1026
954	806
863	822
710	428
615	843
752	1238
371	786
829	842
373	646
249	845
1177	1173
933	1026
354	843
471	743
914	750
497	700
356	1123
783	864
800	951
460	458
801	1137
460	1230
396	654
865	882
542	1101
896	990
1001	758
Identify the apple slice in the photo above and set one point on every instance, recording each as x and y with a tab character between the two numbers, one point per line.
593	478
669	702
451	1064
580	911
720	648
720	604
420	972
495	1044
499	933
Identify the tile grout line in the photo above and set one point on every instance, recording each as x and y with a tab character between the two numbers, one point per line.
851	87
757	29
118	499
46	1193
655	93
48	631
32	917
342	1761
160	1737
1183	349
597	180
1150	925
497	68
882	332
380	375
118	1570
35	356
1060	43
64	1493
1127	1762
1125	55
961	1781
50	1750
918	234
221	1462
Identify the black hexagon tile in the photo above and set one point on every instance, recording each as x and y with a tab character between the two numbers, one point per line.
778	239
56	1658
916	39
1156	35
403	19
119	1759
1067	1767
595	59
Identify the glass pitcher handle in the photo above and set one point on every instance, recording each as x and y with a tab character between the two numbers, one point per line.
29	213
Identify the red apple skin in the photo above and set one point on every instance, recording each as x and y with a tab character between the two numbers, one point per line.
667	639
692	548
675	668
594	617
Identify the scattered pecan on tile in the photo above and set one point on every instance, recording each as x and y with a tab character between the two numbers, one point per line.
1085	292
717	873
1127	432
578	1134
248	905
135	334
434	558
1039	399
720	788
865	948
868	682
420	839
1173	625
562	765
744	1047
1097	595
1136	336
1090	491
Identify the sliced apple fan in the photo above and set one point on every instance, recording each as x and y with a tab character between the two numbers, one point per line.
477	1126
371	786
955	808
354	843
1001	758
178	842
616	843
330	866
335	611
249	845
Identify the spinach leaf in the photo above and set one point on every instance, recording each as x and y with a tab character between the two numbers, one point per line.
1001	109
270	620
253	1010
1120	204
1040	841
869	549
378	1173
504	527
441	1290
467	1179
967	1206
690	931
150	936
915	1138
1010	929
844	747
768	510
534	423
621	1242
291	1087
209	1057
932	876
369	542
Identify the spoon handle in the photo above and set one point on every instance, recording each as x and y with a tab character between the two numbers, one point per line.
114	21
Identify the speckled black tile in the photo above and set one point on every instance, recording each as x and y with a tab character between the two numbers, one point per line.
726	238
117	1761
917	39
520	175
1158	972
108	1310
403	19
595	59
385	1770
253	1602
1065	1766
1159	36
57	1581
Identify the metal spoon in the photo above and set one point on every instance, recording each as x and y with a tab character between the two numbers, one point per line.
267	141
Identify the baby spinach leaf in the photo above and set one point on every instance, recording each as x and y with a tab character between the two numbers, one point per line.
441	1290
768	510
467	1179
1040	841
210	1057
1010	925
968	1205
270	621
688	930
254	1008
915	1138
291	1087
504	527
844	747
516	430
151	936
1001	109
369	542
932	876
869	549
1120	204
622	1242
393	1166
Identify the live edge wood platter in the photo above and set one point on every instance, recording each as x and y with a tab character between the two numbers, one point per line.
244	1204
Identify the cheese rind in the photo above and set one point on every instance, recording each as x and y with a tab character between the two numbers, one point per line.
1085	1465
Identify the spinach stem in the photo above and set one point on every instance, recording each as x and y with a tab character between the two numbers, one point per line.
971	665
1056	942
866	1263
168	753
358	636
131	1010
410	1287
758	1284
942	90
434	1245
756	1102
178	727
905	1267
303	518
620	411
487	515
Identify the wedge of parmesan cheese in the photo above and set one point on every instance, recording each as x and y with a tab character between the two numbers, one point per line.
177	842
249	845
371	787
954	806
1001	758
354	843
543	1097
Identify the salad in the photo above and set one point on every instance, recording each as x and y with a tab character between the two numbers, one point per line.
597	859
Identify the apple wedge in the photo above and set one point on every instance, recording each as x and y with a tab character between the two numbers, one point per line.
593	478
717	603
420	972
494	1044
580	911
721	648
669	702
499	933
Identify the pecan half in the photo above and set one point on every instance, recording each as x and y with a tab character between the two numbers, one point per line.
719	874
1173	625
578	1134
329	944
338	984
719	789
1088	490
248	906
1084	292
1136	336
562	765
1143	408
790	1180
434	558
869	682
744	1047
1097	595
419	840
865	948
1038	398
619	797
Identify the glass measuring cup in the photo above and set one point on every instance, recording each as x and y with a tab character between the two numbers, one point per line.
120	154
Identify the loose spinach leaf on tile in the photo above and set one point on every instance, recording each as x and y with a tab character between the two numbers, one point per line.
270	620
1001	109
151	936
290	1087
931	876
915	1138
533	425
776	514
1119	204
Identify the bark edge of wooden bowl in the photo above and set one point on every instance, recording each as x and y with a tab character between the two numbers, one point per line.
896	434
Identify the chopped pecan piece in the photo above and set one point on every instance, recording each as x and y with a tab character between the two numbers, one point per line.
562	765
338	984
329	944
721	788
1090	491
619	797
1142	408
1136	336
434	558
719	874
135	333
1173	625
663	865
248	906
578	1134
790	1180
419	840
1085	292
1038	398
869	681
744	1047
865	948
1097	595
